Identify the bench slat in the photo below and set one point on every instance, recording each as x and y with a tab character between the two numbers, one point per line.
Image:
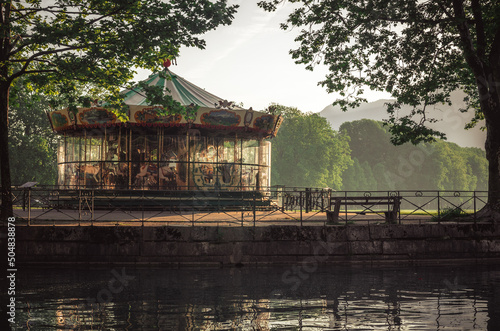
367	203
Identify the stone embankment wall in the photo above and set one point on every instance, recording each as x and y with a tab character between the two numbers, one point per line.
260	245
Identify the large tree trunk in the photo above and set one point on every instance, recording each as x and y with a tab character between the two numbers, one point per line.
490	105
6	190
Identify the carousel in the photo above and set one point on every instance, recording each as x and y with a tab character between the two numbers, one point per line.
213	145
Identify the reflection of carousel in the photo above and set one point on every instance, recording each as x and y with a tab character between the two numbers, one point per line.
213	146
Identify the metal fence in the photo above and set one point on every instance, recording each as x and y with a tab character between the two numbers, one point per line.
273	205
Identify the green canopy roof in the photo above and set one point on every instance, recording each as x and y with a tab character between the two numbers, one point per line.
180	89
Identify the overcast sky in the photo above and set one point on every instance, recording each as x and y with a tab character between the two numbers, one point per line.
249	62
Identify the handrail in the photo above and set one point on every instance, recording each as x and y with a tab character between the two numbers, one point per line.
293	203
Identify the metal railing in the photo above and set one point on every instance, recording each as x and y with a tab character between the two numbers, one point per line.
270	205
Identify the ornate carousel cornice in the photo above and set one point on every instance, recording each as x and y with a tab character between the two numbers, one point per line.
213	112
219	119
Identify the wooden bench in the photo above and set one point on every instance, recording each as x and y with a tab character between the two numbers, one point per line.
391	202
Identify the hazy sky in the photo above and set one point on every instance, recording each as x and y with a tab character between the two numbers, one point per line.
248	62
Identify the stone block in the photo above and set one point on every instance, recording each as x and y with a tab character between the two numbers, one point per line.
365	247
115	234
217	249
355	233
161	248
166	233
335	233
310	233
192	249
65	248
439	247
331	248
395	247
40	249
434	231
129	249
274	233
103	249
494	246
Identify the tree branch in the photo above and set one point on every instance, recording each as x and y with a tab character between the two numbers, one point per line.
34	56
494	58
470	55
481	37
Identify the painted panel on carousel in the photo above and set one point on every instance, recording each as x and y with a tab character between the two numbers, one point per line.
60	120
220	117
264	122
150	115
95	115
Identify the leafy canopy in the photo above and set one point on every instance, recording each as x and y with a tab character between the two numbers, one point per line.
32	144
66	44
307	152
419	51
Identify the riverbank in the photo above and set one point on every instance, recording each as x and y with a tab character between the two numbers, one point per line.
236	246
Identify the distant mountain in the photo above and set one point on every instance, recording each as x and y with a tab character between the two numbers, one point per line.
451	121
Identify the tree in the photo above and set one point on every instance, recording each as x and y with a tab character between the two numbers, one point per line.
419	51
32	144
307	152
61	44
368	140
438	166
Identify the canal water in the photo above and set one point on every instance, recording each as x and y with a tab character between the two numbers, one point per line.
295	297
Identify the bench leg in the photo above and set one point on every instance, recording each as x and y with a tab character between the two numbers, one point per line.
333	216
391	217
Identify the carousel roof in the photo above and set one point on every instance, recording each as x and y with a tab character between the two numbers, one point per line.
179	88
203	110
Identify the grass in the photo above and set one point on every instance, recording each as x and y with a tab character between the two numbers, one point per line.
435	212
450	214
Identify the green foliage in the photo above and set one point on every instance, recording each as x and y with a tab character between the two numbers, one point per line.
65	44
307	152
379	165
419	51
32	144
449	214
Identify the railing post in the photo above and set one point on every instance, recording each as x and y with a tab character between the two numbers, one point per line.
79	205
439	208
142	206
93	206
399	207
300	203
475	216
345	206
193	201
254	202
29	206
308	199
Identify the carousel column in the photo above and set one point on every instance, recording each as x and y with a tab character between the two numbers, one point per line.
61	162
129	158
85	160
159	147
188	176
240	144
235	160
261	162
102	162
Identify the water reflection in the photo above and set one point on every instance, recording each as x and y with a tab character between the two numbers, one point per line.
333	298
